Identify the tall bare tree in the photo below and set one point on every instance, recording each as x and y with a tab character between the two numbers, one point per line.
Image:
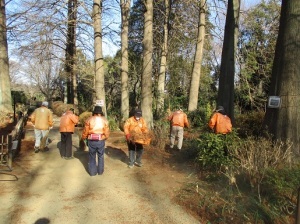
99	66
195	81
284	122
163	59
147	96
227	71
5	93
125	9
71	53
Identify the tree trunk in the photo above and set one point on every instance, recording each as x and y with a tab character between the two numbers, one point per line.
284	122
147	96
226	82
195	81
125	8
99	69
163	62
71	51
5	92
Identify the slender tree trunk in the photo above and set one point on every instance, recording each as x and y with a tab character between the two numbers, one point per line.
195	81
227	71
125	8
5	92
74	75
284	122
147	96
71	51
163	61
99	69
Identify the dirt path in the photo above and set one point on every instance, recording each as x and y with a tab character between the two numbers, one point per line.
44	188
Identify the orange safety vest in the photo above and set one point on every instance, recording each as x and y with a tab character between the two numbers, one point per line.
221	124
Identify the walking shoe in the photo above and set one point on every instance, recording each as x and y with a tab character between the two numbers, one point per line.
138	164
36	149
130	166
46	149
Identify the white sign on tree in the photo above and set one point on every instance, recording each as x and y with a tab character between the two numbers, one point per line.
100	103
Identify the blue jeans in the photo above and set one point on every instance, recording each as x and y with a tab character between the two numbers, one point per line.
96	148
135	152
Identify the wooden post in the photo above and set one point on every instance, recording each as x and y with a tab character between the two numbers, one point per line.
298	208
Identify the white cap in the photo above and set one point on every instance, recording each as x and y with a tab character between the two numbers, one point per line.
45	104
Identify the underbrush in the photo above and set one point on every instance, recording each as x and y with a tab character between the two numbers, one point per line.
248	180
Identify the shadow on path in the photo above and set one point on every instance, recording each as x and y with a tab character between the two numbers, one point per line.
116	153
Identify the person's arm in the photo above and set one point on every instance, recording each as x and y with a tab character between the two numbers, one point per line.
126	129
212	121
74	118
186	122
85	130
50	119
144	128
106	130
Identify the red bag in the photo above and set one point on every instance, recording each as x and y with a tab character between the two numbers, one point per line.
94	137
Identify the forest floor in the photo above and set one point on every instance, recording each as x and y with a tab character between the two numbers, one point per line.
44	188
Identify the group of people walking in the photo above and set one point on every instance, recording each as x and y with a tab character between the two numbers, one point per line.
96	131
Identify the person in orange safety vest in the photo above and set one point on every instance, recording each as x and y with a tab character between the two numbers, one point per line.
95	132
219	122
66	128
178	120
135	124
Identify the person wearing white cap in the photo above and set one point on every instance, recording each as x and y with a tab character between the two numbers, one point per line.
42	120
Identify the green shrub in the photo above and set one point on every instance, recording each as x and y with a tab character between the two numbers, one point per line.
200	117
280	188
250	123
214	150
113	124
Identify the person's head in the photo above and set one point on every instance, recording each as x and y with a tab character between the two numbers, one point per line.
45	104
97	110
220	109
137	114
177	108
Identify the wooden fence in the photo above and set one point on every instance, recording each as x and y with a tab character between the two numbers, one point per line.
10	144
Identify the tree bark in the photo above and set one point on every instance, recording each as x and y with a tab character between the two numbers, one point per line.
5	92
125	8
227	71
195	81
163	61
99	69
284	122
71	52
146	95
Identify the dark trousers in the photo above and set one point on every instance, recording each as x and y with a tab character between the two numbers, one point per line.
135	152
66	144
96	148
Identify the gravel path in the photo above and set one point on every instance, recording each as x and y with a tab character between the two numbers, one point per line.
44	188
